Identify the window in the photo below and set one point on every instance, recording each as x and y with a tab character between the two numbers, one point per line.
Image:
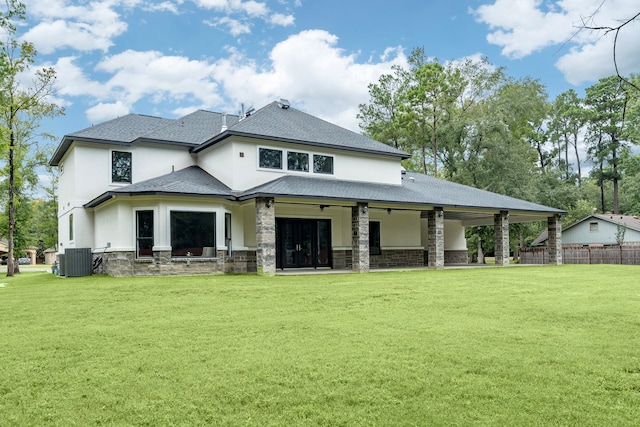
71	227
227	233
144	233
270	159
191	232
322	164
593	226
121	167
298	161
374	238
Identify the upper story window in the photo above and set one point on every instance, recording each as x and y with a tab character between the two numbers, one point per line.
322	164
270	159
121	167
297	161
593	226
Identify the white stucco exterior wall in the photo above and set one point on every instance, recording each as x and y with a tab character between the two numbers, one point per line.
235	163
454	237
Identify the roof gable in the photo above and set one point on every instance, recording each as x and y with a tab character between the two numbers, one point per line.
291	125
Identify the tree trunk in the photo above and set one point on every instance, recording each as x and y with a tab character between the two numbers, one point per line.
575	146
602	187
12	214
614	155
480	253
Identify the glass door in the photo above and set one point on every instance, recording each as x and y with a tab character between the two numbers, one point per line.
303	243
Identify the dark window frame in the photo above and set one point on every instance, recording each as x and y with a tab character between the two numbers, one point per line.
298	161
263	160
375	248
190	239
144	243
317	166
121	167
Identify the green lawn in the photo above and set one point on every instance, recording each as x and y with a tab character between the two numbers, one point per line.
494	346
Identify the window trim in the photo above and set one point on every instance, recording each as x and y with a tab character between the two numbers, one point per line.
111	153
71	236
593	227
170	211
282	159
284	152
135	230
313	164
375	249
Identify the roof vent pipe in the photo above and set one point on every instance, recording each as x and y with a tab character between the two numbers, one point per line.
224	123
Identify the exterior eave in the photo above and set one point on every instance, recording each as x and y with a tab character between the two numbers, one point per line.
229	133
109	195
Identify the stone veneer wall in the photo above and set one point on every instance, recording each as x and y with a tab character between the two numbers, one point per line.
162	264
398	258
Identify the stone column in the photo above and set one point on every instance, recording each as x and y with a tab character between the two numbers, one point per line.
554	226
360	238
265	236
435	231
501	237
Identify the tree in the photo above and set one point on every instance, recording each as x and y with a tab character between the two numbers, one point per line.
608	101
568	117
21	107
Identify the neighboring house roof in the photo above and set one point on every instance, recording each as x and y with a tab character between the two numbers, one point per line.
628	221
416	189
192	181
202	129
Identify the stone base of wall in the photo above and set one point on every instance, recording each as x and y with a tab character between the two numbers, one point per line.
451	257
120	264
456	257
389	258
397	258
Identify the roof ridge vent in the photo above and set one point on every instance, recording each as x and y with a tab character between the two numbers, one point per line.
284	104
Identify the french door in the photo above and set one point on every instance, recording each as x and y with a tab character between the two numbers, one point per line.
303	243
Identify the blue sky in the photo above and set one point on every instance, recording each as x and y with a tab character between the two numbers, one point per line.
170	57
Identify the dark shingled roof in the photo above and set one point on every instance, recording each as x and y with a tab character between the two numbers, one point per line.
202	129
416	189
195	128
292	125
191	181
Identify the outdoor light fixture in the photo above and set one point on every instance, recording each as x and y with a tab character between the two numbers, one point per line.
389	211
440	214
322	207
269	203
364	209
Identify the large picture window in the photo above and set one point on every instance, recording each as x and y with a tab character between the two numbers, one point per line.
191	232
322	164
270	159
144	233
374	238
297	161
121	167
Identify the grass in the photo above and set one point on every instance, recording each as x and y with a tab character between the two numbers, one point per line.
494	346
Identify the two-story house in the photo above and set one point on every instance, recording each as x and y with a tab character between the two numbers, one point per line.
275	189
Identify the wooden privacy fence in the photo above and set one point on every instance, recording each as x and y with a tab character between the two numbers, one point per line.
627	254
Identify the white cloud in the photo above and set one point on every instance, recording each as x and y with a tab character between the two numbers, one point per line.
106	111
525	26
281	19
310	70
234	26
63	24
